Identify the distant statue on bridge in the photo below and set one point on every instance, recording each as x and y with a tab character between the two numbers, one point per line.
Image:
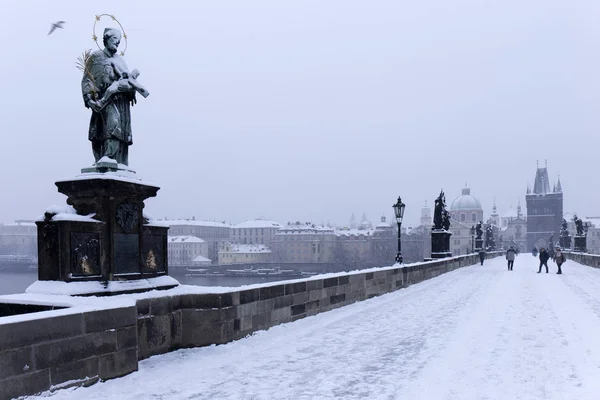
578	225
446	219
441	217
479	230
564	232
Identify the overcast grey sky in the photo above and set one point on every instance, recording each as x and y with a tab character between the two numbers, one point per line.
312	110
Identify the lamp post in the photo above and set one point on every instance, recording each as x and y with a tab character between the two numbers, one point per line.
399	212
472	238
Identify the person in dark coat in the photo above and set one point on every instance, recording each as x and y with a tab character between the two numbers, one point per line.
481	256
510	256
544	257
560	258
534	251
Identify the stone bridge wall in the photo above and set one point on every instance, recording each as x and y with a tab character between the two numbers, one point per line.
192	320
42	352
591	260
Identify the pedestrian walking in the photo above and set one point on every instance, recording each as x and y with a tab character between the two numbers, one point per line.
544	257
510	256
534	251
481	256
560	259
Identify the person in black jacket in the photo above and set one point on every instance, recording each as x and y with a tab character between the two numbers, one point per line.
510	257
544	257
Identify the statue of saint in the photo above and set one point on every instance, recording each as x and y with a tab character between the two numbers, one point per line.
479	230
578	225
564	230
439	212
446	220
109	89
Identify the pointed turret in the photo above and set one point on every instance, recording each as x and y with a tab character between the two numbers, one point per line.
558	185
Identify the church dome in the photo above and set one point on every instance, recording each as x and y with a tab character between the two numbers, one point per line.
465	202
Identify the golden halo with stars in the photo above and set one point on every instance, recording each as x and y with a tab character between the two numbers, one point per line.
95	38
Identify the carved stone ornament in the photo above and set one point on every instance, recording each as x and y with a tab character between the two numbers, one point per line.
127	216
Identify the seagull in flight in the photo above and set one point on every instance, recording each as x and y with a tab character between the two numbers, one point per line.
55	25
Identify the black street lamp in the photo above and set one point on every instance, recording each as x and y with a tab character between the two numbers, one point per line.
472	238
399	211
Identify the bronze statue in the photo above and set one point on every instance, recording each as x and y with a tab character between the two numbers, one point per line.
564	232
479	230
578	224
109	89
439	213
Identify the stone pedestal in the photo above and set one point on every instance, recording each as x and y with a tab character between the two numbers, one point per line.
478	245
105	236
565	242
580	243
440	244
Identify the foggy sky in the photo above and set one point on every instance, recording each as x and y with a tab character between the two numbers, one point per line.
312	110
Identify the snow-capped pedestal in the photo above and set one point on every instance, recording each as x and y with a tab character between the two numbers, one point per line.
580	244
440	243
102	235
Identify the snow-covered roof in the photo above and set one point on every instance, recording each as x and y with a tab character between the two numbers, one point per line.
185	239
193	222
465	202
258	223
354	232
383	225
304	229
247	248
201	259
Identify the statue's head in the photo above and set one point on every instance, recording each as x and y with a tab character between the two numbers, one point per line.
111	39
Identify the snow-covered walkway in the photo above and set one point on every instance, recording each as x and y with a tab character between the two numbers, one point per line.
480	332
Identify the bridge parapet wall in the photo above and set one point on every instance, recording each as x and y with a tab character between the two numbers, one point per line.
192	320
591	260
79	341
74	349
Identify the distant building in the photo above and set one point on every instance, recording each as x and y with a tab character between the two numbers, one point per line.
513	229
544	210
384	243
215	234
258	231
426	219
244	254
303	243
593	234
465	212
183	250
353	247
19	239
416	243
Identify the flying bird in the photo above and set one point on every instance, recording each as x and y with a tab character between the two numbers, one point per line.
55	25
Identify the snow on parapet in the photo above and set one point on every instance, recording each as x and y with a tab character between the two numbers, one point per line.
258	223
184	239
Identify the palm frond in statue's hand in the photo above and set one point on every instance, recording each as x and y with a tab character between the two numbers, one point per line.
82	64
